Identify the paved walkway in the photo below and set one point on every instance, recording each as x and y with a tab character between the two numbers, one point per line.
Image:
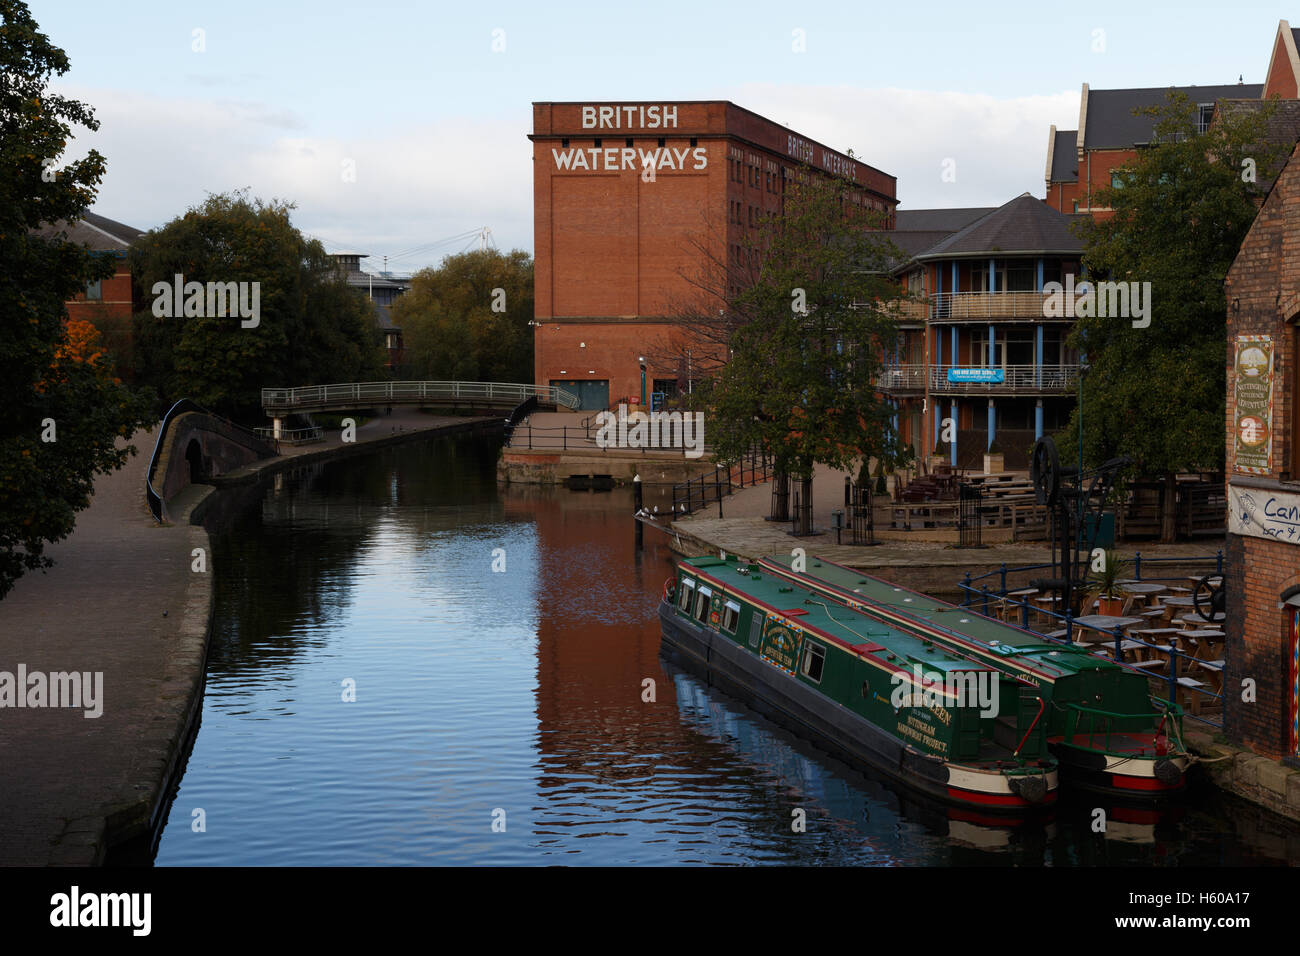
113	603
121	600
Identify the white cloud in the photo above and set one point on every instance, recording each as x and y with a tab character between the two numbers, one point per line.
999	146
414	185
424	181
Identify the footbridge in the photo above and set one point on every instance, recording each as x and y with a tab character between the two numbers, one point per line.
502	396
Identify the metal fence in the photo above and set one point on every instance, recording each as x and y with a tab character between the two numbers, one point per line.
711	488
379	393
984	599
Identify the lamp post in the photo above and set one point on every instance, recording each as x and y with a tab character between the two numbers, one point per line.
642	361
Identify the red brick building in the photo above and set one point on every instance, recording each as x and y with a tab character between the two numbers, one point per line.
108	303
633	202
1262	571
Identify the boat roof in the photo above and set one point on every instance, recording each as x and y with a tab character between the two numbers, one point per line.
863	635
958	621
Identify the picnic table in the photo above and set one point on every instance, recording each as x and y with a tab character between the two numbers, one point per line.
1143	587
1104	622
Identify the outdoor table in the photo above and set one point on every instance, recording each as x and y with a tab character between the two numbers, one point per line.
1179	600
1142	587
1105	622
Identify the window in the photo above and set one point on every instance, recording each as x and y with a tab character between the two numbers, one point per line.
1204	111
628	141
94	291
596	143
814	658
730	617
755	628
694	142
702	601
685	594
564	143
1076	207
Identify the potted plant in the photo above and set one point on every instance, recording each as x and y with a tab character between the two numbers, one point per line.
1103	584
993	459
942	454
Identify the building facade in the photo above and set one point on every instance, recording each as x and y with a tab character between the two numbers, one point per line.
636	206
982	347
382	289
1262	572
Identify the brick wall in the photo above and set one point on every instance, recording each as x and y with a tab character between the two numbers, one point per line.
1263	295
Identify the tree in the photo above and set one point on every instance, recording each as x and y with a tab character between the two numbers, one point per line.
63	410
468	319
810	326
1156	391
312	328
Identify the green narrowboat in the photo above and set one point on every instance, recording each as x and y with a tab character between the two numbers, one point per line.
885	700
1102	724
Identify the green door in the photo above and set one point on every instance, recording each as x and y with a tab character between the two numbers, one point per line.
592	394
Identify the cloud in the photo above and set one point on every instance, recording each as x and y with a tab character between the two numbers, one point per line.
413	185
998	146
428	180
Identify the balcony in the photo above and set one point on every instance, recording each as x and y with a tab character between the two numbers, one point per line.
989	306
1017	380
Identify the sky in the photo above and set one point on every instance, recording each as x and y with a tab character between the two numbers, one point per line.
429	103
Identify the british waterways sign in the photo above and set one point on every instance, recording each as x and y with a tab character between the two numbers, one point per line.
1263	513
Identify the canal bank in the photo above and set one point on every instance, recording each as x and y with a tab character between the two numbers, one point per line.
128	608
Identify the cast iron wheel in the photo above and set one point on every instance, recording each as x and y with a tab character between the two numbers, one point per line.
1045	472
1209	599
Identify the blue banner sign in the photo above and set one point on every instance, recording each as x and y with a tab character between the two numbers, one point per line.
984	376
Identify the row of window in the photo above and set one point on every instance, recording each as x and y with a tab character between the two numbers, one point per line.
628	142
695	602
736	209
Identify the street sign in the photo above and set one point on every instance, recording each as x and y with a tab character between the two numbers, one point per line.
983	376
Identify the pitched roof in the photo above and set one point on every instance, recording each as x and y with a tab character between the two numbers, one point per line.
1110	121
1023	226
1283	127
1065	157
98	232
944	220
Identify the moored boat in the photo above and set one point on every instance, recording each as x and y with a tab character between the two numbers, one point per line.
957	730
1102	724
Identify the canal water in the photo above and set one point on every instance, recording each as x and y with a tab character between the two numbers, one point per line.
412	665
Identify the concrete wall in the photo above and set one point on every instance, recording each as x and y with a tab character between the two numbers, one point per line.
222	447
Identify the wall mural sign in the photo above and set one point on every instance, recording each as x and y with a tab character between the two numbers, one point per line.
1252	376
1262	513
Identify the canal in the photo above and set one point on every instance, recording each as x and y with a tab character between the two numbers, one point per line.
412	665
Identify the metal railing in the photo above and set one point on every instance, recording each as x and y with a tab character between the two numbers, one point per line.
712	487
961	306
382	393
292	436
1015	378
981	599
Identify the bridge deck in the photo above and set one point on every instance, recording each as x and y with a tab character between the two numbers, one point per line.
317	398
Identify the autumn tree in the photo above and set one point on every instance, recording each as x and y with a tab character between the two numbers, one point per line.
1155	390
312	328
63	410
468	319
810	325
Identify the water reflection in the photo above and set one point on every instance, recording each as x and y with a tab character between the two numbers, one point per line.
522	696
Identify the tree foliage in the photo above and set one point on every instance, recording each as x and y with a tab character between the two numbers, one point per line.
313	329
1181	211
63	410
809	327
457	326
